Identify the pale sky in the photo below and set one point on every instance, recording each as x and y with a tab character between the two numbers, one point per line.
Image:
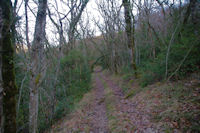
91	9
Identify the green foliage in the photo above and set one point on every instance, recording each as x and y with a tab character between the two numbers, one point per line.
76	66
179	105
127	72
153	70
72	83
22	113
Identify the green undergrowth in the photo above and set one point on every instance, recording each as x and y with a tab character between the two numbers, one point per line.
129	84
117	121
180	108
133	92
57	98
175	105
110	108
182	59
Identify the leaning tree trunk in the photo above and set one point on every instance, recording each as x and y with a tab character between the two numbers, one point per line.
130	30
8	74
37	56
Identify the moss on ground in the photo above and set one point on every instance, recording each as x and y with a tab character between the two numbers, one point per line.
174	106
117	121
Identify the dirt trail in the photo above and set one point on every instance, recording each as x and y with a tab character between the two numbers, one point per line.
105	109
90	116
138	119
99	118
94	115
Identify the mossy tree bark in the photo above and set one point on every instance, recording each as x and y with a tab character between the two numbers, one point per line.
130	31
37	58
1	82
8	73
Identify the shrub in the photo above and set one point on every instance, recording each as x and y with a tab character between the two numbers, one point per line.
73	81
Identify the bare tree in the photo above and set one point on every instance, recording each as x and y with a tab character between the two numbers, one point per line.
112	32
76	10
37	58
27	26
130	31
62	43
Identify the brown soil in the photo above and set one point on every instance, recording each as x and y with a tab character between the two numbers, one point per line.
138	118
91	116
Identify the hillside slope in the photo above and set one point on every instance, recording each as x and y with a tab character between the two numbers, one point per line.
115	105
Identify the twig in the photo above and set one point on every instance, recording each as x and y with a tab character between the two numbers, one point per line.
168	50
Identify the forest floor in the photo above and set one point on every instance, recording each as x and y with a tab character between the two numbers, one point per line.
112	108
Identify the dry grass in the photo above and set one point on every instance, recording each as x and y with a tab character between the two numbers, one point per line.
172	106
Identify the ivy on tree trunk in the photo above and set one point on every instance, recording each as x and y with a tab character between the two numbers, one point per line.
8	72
130	31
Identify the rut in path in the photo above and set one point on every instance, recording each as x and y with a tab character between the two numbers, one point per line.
137	118
93	116
100	120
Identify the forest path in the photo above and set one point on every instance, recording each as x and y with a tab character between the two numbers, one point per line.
125	115
90	114
105	110
99	119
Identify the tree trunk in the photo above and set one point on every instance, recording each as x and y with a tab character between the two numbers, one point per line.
27	27
8	73
1	82
195	10
75	17
37	56
130	30
195	14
